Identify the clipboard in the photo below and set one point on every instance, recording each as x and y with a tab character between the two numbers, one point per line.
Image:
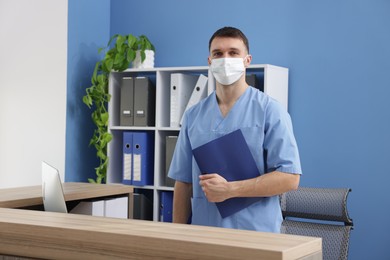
230	157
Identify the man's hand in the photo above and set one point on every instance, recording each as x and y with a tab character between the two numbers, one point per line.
215	187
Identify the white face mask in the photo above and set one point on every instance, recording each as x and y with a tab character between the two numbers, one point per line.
227	70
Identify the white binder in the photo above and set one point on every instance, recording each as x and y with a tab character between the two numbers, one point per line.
116	207
182	86
199	93
92	208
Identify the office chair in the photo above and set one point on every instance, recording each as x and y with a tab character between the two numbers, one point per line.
319	212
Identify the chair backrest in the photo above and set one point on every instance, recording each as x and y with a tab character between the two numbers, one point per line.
319	212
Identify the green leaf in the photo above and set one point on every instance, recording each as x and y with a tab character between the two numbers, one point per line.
87	100
95	72
91	180
108	63
130	55
101	79
119	59
99	180
104	118
131	41
91	142
100	154
108	137
148	46
143	55
111	53
119	42
95	117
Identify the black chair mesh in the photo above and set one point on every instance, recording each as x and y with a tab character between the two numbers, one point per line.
335	238
310	212
316	203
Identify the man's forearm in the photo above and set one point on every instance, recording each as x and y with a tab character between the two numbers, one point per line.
182	202
266	185
217	189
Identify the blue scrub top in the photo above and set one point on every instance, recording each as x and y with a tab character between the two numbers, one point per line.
267	128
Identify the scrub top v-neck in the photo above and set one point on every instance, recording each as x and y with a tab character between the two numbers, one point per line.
220	121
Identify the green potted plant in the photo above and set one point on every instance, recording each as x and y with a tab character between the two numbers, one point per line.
118	58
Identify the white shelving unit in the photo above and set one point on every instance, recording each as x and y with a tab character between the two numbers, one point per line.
273	79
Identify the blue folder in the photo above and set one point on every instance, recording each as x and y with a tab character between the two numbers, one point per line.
230	157
166	206
138	158
127	158
143	158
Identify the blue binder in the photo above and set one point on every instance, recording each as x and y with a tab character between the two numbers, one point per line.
166	206
127	158
230	157
143	158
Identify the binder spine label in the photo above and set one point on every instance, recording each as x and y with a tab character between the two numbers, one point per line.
127	167
137	167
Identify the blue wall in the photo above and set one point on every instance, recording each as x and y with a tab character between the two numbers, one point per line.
338	53
88	30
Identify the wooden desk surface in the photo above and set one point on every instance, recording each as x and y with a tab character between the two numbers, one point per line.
69	236
32	195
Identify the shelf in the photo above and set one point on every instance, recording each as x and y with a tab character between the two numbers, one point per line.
133	128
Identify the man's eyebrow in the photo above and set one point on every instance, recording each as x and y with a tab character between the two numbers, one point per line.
230	49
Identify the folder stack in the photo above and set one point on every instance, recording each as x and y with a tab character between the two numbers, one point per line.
138	158
137	102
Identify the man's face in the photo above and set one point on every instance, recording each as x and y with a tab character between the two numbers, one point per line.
226	47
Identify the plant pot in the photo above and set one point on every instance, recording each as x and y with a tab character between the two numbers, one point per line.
148	62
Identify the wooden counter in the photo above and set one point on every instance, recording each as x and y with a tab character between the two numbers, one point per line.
40	234
27	197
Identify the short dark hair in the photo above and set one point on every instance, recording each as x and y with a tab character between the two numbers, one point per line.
230	32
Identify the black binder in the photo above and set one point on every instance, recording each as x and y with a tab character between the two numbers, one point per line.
126	103
144	102
137	105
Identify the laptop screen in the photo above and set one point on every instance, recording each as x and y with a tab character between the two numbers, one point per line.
52	192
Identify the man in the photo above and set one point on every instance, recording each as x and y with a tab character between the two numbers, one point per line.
267	129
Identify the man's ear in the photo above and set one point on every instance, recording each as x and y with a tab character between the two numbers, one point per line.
209	60
247	60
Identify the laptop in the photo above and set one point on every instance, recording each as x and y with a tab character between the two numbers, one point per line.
52	192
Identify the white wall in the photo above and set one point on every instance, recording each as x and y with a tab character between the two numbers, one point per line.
33	62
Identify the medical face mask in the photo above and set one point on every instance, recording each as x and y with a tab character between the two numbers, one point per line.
227	70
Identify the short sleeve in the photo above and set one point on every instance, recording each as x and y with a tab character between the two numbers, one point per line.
181	164
281	150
